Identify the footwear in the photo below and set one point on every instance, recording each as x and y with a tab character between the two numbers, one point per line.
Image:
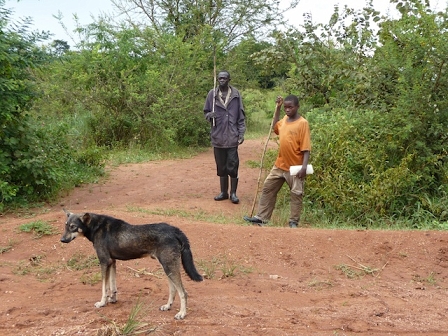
254	220
233	187
224	182
293	224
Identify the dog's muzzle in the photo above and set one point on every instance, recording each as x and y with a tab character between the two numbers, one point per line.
68	238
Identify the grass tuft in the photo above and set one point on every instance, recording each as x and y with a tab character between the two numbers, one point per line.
39	228
80	261
133	325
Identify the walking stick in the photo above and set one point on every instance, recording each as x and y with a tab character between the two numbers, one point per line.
261	165
214	85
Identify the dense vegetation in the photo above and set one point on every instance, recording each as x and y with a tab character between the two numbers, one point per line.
374	89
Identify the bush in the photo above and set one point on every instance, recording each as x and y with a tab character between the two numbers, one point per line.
362	168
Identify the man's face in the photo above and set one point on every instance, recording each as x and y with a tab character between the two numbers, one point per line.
290	108
223	79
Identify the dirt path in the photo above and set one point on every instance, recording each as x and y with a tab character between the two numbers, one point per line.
261	281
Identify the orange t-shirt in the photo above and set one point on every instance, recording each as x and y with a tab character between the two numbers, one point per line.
294	140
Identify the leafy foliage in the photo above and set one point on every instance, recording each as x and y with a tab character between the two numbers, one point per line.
32	162
21	160
132	89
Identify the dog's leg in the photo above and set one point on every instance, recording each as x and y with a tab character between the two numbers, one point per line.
113	282
170	261
105	273
171	296
175	281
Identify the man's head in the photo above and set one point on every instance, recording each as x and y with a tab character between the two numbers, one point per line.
223	79
293	99
291	105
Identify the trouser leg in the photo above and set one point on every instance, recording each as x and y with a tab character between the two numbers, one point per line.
227	161
232	162
296	186
220	160
271	187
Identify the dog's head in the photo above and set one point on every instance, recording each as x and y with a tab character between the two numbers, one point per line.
74	226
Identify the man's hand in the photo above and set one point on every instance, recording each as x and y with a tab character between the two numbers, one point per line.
302	172
240	139
210	115
279	101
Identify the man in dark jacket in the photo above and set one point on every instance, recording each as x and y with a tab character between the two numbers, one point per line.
224	110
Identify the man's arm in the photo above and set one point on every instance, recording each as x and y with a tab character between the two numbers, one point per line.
208	107
241	122
278	106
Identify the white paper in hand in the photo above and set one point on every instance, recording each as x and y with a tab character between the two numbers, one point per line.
293	170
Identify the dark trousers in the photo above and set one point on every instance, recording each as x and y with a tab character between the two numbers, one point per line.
227	161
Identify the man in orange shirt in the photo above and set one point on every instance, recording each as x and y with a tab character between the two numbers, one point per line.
295	146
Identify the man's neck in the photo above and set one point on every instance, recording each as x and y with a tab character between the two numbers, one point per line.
294	117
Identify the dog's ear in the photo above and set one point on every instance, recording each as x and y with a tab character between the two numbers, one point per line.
86	218
67	213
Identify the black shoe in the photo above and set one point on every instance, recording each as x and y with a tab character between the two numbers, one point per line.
221	196
293	225
254	220
234	198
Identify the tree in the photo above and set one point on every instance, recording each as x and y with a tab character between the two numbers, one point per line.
59	47
327	62
244	63
229	20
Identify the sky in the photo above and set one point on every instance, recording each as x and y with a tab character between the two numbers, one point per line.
42	11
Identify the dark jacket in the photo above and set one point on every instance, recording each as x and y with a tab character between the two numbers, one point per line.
229	123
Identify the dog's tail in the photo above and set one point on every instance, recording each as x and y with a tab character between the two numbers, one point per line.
187	258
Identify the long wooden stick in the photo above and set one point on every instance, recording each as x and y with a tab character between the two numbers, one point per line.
214	85
261	164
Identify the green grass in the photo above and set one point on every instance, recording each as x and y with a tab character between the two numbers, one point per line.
80	261
132	326
193	215
320	284
91	278
4	249
35	265
22	268
348	271
353	272
430	279
222	265
39	228
137	154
